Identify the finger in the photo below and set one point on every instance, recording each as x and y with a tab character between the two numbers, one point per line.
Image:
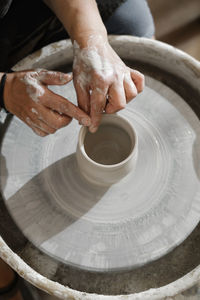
97	105
53	77
138	79
40	125
116	99
50	117
36	130
64	106
39	132
56	120
129	88
83	97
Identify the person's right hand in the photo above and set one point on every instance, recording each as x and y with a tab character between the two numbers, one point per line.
27	96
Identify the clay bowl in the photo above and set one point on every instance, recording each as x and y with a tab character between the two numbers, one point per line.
108	155
163	278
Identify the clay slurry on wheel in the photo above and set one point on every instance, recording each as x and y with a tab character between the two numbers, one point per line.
125	225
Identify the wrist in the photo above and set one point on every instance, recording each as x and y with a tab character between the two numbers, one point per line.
91	38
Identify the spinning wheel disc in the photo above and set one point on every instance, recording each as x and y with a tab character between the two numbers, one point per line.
128	224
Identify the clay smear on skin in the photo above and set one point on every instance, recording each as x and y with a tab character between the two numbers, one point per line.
32	81
32	124
33	87
34	111
44	74
90	59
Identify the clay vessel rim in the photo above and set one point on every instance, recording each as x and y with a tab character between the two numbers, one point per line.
133	136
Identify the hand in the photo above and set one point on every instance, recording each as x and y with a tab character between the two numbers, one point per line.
27	96
101	79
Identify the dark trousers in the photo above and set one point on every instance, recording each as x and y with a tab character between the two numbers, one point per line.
30	25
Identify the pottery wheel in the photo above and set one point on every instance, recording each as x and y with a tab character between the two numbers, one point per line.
142	217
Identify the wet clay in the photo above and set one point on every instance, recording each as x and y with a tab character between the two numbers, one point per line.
109	145
169	269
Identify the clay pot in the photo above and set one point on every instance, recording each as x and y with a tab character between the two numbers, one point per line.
108	155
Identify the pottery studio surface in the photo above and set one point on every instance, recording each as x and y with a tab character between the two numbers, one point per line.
80	240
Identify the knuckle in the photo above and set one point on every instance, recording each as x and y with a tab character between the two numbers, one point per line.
100	80
142	77
56	126
52	130
67	121
117	77
120	106
38	132
133	94
63	108
129	98
59	122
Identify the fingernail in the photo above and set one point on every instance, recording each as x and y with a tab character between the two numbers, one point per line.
93	129
85	121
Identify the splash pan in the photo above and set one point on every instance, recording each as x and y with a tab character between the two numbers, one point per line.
119	227
71	235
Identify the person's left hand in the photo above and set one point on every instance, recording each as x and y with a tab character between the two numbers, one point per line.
102	80
26	95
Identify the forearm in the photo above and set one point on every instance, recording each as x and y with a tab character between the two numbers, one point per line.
80	18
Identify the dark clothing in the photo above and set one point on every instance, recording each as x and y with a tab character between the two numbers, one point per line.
134	18
4	7
23	33
107	7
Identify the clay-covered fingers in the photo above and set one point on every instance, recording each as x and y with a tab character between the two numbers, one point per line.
83	97
36	128
43	121
116	98
63	106
138	79
52	77
27	97
129	88
51	118
97	106
40	124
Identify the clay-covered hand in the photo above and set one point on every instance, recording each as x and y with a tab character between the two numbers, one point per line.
102	80
27	96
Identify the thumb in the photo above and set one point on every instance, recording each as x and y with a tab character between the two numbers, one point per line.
54	77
